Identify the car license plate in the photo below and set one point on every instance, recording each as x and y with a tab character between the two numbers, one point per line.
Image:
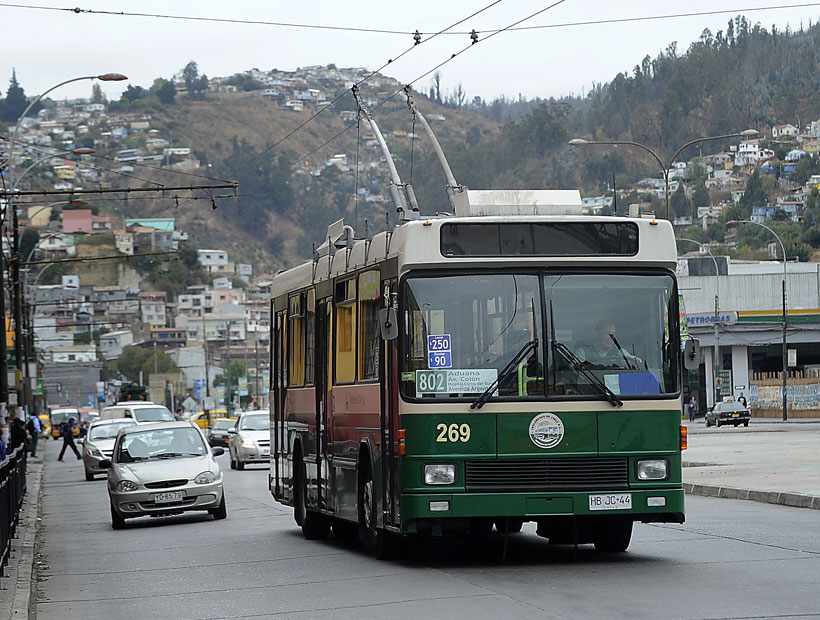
167	498
610	501
735	415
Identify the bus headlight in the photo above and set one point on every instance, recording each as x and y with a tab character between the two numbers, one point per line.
652	469
440	473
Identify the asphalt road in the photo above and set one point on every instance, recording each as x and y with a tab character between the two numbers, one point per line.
731	559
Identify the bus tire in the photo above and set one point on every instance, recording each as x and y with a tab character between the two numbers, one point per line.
368	531
612	535
299	499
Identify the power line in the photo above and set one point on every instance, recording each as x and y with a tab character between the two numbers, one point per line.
405	33
417	41
93	258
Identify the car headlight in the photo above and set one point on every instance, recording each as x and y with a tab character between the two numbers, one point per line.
126	485
206	477
652	469
247	441
94	452
440	473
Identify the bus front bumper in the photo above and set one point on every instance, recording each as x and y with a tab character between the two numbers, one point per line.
646	505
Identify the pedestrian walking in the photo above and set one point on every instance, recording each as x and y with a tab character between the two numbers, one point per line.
693	409
17	436
33	428
67	433
742	399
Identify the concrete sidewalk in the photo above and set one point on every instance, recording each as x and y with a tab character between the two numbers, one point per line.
770	461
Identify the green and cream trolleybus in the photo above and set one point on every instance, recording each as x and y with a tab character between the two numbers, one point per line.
513	361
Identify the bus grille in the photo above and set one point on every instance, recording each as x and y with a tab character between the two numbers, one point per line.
555	474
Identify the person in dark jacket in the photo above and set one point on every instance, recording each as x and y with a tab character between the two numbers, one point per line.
17	435
67	433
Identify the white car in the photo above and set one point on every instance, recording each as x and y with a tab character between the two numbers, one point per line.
163	469
250	439
99	444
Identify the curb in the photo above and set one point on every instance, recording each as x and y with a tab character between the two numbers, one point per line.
795	500
23	598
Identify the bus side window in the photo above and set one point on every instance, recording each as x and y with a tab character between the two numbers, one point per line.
296	339
310	338
345	302
369	339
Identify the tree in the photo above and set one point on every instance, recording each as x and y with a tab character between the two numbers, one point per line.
16	101
700	198
97	95
131	361
28	241
195	84
755	194
158	362
679	203
165	90
132	93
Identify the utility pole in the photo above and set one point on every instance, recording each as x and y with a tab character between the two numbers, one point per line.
207	378
256	354
228	392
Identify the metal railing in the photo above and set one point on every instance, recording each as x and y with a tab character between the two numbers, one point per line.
12	491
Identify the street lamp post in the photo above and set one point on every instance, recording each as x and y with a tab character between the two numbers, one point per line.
785	317
747	133
716	353
15	249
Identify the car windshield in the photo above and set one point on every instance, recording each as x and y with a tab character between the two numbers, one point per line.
488	335
221	425
99	432
255	422
153	414
160	444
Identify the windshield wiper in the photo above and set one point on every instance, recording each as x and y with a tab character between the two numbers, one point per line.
578	365
478	403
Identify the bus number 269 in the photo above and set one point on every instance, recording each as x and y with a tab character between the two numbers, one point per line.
453	433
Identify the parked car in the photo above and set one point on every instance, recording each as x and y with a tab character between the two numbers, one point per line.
728	413
218	434
163	469
99	444
250	439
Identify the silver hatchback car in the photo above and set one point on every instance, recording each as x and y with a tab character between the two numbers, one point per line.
250	439
99	444
163	469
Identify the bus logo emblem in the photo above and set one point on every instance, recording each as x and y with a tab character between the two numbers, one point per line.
546	430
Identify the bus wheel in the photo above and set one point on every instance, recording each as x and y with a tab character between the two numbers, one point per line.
368	532
612	536
314	526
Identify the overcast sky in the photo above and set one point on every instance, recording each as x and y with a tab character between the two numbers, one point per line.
49	46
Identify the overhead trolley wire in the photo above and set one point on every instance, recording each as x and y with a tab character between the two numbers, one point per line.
364	79
253	22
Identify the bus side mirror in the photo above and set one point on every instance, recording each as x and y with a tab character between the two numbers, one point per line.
691	354
388	324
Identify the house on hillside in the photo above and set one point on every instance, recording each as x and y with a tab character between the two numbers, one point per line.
77	221
787	130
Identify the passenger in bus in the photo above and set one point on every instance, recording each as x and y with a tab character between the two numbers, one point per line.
604	352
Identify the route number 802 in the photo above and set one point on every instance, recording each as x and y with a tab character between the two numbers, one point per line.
453	433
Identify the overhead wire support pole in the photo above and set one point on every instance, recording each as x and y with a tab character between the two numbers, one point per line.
124	190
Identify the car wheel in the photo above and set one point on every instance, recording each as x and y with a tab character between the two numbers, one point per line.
117	522
708	423
89	476
220	512
233	463
239	464
736	424
746	423
612	536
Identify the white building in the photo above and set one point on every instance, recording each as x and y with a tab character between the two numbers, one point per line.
213	260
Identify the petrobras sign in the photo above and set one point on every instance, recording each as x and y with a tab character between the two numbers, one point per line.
705	320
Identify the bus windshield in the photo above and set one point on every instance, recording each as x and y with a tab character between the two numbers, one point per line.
603	336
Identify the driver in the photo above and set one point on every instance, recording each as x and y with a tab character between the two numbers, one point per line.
605	352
